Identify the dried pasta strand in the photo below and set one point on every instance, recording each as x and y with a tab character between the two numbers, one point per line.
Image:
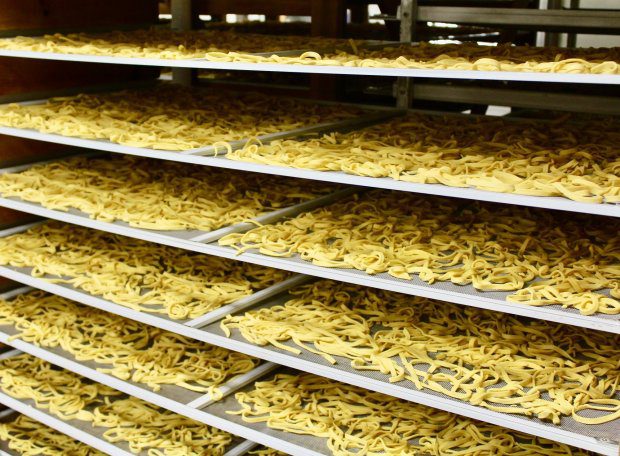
30	438
528	367
124	348
156	195
222	46
169	44
143	276
171	117
539	258
264	451
142	426
474	57
523	157
357	421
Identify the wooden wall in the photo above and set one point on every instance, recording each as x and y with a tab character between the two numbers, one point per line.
27	76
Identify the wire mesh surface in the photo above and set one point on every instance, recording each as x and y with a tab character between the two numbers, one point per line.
608	431
220	409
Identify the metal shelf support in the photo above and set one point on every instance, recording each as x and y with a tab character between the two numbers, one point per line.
404	86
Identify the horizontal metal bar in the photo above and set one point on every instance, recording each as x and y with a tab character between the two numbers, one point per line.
316	69
15	292
5	413
18	229
271	217
241	449
593	21
10	354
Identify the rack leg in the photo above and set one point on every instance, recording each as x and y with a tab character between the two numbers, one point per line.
181	21
408	15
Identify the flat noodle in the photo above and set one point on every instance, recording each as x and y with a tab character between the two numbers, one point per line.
506	364
62	393
140	425
28	437
474	57
125	348
264	451
543	258
222	46
140	275
168	44
157	195
171	117
523	157
357	421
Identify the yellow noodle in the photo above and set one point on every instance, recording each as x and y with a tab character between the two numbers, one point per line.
539	258
528	367
223	46
167	44
156	195
28	437
525	157
170	117
124	348
61	392
143	276
470	56
142	426
357	421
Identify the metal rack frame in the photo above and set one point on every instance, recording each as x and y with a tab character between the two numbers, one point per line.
550	20
212	334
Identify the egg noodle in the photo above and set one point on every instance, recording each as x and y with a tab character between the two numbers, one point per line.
471	56
541	258
170	117
142	426
154	194
125	348
140	275
28	437
357	421
228	46
506	364
168	44
524	157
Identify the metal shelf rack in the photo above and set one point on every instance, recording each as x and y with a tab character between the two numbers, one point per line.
594	438
546	202
207	329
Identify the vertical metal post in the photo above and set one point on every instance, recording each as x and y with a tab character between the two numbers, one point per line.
553	38
408	16
571	39
181	21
